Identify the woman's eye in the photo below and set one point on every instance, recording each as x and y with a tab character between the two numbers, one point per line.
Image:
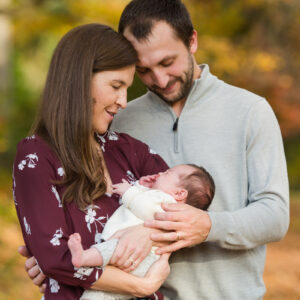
116	87
142	71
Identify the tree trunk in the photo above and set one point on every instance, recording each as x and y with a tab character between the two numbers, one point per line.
5	48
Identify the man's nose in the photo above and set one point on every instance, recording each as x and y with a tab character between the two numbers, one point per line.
160	79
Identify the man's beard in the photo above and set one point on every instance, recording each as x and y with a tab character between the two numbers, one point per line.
186	82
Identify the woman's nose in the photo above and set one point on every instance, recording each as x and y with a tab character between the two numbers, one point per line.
122	100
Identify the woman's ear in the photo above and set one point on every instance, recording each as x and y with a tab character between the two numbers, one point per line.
180	195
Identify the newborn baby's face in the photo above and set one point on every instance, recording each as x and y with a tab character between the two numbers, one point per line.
170	180
167	181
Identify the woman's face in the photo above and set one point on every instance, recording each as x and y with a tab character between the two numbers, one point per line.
109	93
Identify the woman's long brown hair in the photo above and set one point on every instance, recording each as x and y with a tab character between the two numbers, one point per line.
65	116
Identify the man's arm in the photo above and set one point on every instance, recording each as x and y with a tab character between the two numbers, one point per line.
265	217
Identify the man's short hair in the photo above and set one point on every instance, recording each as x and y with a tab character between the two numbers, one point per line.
140	16
200	186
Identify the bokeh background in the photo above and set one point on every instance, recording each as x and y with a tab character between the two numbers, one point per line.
253	44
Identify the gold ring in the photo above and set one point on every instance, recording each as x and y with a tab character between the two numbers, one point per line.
131	260
177	236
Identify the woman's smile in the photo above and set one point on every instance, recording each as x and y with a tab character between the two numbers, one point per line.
109	93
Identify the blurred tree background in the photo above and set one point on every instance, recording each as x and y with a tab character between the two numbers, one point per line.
253	44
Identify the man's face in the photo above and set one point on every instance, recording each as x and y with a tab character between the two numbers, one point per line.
165	64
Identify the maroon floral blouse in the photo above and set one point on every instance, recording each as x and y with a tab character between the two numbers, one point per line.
46	225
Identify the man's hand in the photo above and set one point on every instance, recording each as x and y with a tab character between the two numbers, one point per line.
33	270
187	226
133	246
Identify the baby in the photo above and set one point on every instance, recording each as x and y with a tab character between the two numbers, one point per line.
183	183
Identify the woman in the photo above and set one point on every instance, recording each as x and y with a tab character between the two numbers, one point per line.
63	173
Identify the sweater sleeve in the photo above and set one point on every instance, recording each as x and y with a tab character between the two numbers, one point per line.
266	215
41	215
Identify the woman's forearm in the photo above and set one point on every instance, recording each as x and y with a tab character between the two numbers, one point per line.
118	281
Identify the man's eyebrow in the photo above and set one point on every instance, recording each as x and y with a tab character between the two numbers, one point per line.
161	61
167	58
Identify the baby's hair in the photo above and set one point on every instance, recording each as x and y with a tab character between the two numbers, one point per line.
200	186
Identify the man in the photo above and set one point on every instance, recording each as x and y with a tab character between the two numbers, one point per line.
189	115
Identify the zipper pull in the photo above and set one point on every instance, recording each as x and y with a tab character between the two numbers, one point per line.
175	125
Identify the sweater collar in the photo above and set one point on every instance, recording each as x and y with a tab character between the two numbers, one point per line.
200	90
202	86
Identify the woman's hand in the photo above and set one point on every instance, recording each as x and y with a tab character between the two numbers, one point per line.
33	270
155	276
133	246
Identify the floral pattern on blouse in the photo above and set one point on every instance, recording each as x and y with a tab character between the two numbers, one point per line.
14	188
54	191
54	286
30	160
30	137
130	177
27	226
83	272
152	151
55	241
61	171
109	135
46	224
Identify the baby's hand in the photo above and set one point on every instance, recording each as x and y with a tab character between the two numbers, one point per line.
148	181
121	188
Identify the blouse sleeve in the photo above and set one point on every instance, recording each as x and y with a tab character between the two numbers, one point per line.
149	162
41	215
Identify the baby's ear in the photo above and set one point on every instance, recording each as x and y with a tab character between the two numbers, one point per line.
181	195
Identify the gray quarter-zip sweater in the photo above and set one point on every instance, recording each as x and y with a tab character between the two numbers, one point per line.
234	134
